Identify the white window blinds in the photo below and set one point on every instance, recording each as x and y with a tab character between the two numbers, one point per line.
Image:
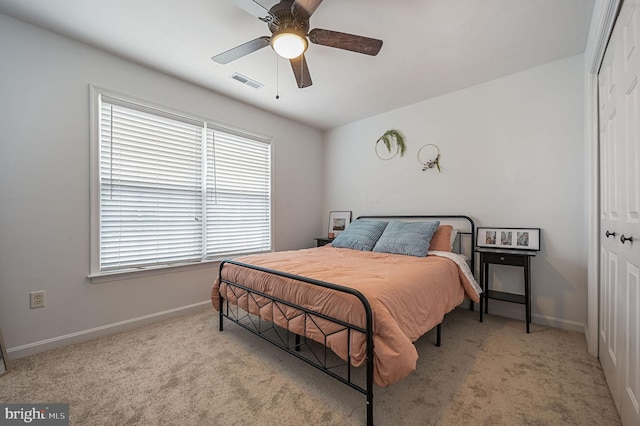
174	190
238	199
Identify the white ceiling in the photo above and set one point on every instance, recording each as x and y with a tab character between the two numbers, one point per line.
431	47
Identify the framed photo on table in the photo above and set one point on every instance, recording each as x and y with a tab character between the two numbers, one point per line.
509	238
338	222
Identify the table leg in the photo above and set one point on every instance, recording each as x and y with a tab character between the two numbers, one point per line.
481	285
485	287
481	294
527	290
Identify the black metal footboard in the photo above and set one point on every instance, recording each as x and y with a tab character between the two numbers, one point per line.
289	341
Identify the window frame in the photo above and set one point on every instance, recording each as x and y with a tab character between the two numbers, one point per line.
95	274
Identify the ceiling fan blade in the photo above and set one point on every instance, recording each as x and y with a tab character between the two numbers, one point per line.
304	8
301	71
242	50
354	43
255	9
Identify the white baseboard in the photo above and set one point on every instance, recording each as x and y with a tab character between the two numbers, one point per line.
104	330
558	323
516	311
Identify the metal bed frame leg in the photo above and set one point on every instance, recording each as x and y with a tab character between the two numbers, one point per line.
297	343
439	335
369	367
221	314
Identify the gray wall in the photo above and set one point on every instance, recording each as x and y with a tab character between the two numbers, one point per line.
44	188
512	156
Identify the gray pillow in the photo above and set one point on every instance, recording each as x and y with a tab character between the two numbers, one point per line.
360	235
410	238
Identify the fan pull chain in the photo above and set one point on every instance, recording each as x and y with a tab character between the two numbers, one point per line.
277	79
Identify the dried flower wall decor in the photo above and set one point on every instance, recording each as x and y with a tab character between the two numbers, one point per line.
433	158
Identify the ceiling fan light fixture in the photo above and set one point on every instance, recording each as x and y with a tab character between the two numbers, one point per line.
289	44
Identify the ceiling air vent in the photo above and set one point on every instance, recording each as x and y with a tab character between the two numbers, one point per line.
246	80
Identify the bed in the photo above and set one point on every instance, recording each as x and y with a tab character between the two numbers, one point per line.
358	303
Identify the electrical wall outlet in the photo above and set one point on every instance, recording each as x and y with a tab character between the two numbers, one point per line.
36	299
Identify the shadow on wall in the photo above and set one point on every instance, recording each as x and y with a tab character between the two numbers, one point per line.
552	301
551	290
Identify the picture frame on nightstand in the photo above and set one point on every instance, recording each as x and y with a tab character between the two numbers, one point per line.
338	222
509	238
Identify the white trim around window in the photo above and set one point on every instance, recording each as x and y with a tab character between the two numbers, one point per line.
172	191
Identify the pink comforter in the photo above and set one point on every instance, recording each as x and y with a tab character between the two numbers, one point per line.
408	296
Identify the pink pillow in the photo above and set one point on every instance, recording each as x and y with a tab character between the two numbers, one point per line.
441	240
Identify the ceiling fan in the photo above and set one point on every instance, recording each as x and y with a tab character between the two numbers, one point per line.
288	22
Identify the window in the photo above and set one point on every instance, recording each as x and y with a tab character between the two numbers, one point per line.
174	190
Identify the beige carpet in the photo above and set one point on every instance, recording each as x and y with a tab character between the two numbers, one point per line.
185	372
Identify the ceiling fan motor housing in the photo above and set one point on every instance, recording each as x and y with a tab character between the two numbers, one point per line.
284	19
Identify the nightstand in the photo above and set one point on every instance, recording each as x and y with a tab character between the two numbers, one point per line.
321	241
505	257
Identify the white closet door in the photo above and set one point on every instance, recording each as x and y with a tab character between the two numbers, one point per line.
619	328
610	299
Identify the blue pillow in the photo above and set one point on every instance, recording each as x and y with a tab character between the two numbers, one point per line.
410	238
360	235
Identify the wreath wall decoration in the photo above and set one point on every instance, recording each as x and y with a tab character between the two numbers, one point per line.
433	157
389	139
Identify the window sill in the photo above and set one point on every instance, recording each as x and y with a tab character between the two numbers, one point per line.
103	277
